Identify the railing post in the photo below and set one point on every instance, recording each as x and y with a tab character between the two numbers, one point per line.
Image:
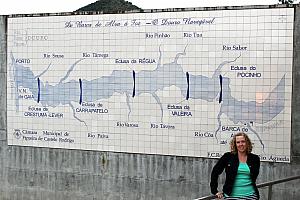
262	185
270	192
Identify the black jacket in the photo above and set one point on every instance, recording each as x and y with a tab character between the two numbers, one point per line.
230	162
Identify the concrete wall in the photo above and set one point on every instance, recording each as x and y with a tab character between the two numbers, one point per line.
60	174
296	89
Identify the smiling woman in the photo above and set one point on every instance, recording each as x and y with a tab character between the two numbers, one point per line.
241	168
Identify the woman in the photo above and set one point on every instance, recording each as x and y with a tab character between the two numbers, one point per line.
241	168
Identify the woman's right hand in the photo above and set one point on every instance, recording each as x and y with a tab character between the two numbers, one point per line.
220	195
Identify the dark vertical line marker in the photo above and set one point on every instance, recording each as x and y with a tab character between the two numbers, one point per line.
133	92
188	84
80	97
39	90
221	91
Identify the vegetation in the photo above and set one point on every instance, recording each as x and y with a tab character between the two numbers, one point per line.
110	6
286	1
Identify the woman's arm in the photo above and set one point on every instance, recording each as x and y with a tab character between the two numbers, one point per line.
256	165
217	170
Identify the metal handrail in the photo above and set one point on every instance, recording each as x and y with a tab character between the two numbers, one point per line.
261	185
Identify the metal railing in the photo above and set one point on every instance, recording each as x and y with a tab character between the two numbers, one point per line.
261	185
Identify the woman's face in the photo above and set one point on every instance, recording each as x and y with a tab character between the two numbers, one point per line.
241	144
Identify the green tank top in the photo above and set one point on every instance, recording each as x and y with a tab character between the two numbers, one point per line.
242	185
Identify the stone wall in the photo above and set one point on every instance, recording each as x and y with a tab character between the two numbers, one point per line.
61	174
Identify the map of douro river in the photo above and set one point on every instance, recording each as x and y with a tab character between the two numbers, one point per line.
169	83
